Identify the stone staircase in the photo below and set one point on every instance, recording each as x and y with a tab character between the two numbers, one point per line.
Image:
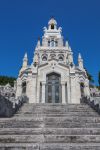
51	127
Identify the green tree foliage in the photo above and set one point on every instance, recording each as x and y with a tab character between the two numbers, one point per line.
5	79
90	77
99	79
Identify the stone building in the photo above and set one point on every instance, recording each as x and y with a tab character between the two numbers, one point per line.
53	77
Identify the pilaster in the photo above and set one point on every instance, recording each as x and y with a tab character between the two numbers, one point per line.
73	89
43	91
19	88
31	88
63	92
68	91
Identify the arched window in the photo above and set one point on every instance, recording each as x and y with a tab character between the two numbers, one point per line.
82	89
44	58
24	88
48	43
60	58
52	43
56	43
52	26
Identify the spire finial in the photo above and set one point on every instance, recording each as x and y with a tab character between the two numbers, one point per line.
25	63
25	56
79	56
67	44
80	61
38	43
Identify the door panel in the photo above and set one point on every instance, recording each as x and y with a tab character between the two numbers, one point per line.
49	93
53	88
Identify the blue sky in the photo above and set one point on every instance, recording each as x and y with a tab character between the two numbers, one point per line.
22	22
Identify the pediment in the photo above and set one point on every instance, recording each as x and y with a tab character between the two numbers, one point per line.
53	62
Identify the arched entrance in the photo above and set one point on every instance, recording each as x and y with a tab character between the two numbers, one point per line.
82	89
53	88
24	88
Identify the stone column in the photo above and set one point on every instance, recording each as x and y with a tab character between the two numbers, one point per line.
43	92
19	88
86	88
77	89
73	89
38	92
31	88
63	93
68	92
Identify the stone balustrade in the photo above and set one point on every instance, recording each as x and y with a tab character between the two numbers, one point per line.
94	102
9	105
8	108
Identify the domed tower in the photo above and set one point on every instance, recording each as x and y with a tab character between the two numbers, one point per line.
52	45
52	35
52	24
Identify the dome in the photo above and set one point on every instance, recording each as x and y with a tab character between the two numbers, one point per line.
52	21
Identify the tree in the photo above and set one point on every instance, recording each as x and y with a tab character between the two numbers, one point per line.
90	77
99	79
5	79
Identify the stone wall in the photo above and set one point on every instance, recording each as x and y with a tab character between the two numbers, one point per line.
94	102
8	103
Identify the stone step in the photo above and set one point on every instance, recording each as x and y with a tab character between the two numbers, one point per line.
46	114
50	146
38	105
50	138
55	105
51	123
72	119
21	124
50	115
51	127
56	118
71	146
49	131
65	107
72	138
53	120
55	110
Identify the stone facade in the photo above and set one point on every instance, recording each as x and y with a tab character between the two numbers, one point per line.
53	77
